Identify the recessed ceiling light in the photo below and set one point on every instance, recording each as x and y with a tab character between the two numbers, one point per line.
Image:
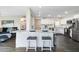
66	12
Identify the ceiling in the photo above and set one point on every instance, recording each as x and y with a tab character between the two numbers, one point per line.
12	11
44	11
55	11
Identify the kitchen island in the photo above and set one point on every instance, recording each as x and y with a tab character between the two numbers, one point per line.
22	39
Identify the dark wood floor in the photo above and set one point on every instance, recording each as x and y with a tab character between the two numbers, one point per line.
65	44
8	46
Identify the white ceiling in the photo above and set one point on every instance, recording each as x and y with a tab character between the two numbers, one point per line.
12	11
55	11
44	11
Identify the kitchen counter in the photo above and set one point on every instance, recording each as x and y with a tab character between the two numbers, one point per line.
21	38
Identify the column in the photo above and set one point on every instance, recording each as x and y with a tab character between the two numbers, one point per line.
28	19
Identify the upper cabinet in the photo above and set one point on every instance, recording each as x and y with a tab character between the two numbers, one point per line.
7	23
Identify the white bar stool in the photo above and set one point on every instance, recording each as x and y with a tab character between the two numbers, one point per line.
32	43
47	43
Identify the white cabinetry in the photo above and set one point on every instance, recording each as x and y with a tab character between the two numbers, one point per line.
21	38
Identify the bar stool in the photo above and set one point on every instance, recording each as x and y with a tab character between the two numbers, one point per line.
47	43
32	43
